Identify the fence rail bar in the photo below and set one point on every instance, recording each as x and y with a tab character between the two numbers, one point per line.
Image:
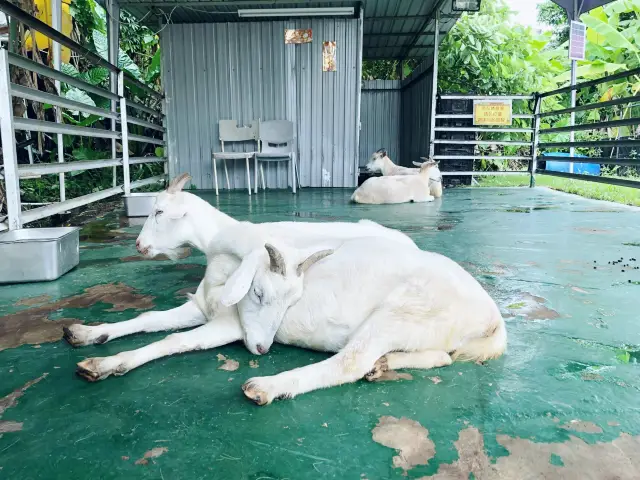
470	115
592	126
515	172
593	106
44	97
599	160
55	208
32	125
16	12
479	157
483	142
591	83
148	181
132	81
484	130
143	139
22	62
144	123
141	160
592	178
487	97
594	143
26	171
142	108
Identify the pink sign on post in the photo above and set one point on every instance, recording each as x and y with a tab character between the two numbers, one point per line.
577	41
293	36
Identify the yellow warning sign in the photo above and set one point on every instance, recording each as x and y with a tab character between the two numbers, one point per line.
492	112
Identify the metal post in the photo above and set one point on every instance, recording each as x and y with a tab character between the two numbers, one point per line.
534	140
125	134
165	147
574	75
11	178
434	86
113	40
356	164
56	21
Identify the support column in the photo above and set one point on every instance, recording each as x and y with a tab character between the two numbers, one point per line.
11	178
113	40
574	74
434	85
56	22
356	163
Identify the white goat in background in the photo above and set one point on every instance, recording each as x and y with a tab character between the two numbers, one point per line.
397	188
180	218
380	162
379	306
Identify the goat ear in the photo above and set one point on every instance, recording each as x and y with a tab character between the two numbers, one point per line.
240	281
382	151
313	258
178	183
417	164
276	260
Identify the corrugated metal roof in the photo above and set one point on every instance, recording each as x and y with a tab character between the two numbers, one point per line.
392	28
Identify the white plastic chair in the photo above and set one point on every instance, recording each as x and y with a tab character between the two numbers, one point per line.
230	132
276	140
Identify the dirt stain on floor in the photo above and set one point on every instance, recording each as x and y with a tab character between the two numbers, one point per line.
153	453
531	307
182	253
408	437
570	460
582	426
33	301
11	400
33	326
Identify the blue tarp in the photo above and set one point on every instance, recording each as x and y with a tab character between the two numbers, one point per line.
581	168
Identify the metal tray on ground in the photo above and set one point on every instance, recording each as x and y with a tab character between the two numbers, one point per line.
139	204
38	254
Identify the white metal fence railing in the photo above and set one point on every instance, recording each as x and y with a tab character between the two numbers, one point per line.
524	127
123	113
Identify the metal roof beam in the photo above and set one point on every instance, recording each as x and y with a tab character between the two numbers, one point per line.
425	24
231	3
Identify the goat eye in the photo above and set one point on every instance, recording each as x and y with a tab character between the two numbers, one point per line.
159	212
258	294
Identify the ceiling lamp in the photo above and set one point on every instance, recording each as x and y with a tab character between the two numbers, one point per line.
296	12
466	5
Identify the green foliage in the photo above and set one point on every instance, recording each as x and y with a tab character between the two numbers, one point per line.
555	16
486	53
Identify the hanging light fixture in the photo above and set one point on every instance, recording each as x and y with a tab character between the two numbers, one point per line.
466	5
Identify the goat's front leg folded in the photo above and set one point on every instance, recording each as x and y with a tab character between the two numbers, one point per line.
352	363
215	333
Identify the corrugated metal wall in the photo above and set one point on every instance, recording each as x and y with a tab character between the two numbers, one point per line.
396	115
244	71
416	115
380	117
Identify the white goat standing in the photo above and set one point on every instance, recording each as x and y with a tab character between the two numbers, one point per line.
180	218
379	306
397	188
380	162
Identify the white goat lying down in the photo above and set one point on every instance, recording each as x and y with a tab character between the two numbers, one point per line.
397	188
379	306
180	218
380	162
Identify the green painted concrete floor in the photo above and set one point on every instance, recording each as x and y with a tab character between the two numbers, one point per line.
562	403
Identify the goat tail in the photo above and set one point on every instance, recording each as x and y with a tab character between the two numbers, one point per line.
491	345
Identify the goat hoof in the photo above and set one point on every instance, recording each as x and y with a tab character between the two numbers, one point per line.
252	392
379	368
88	369
79	335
